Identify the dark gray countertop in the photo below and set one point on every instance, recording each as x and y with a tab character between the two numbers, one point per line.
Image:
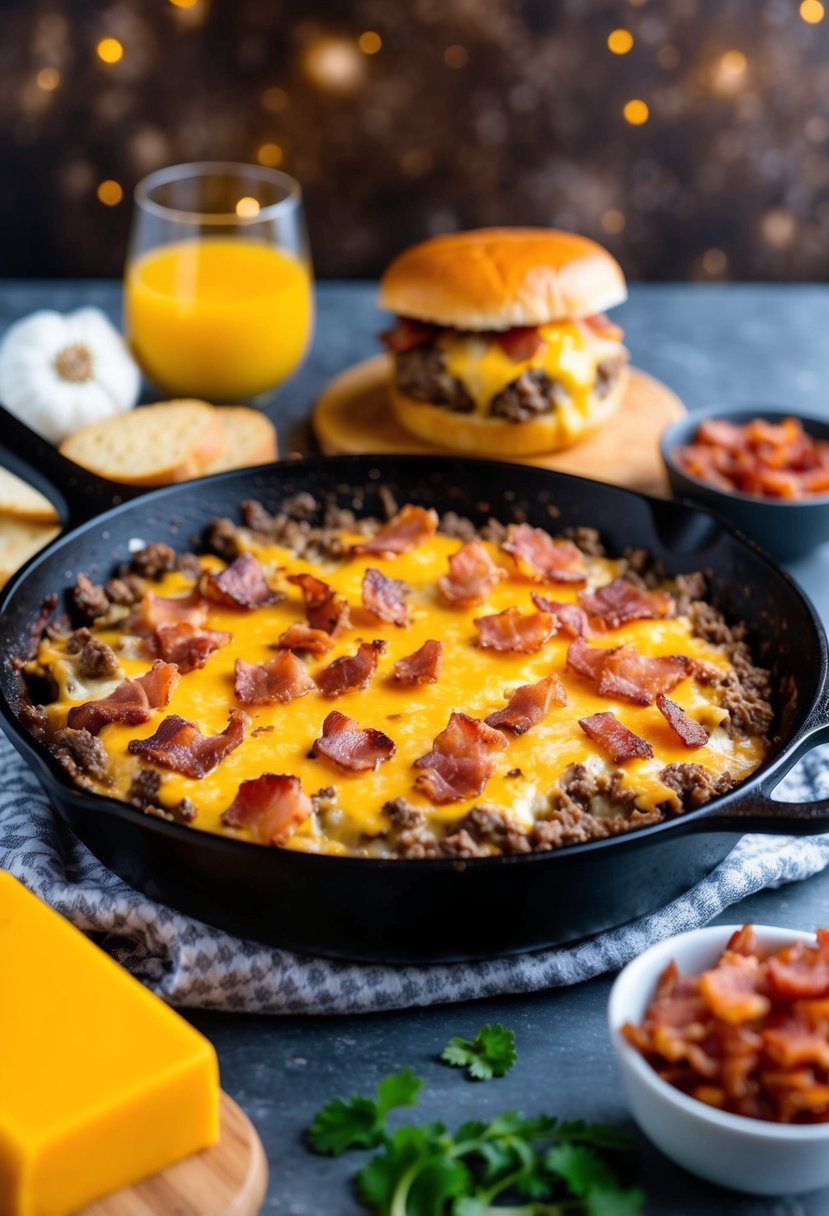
735	344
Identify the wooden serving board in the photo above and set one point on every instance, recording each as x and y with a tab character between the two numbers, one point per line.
228	1179
352	415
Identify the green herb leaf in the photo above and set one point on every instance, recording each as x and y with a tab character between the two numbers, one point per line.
615	1202
490	1054
414	1175
580	1167
604	1136
360	1122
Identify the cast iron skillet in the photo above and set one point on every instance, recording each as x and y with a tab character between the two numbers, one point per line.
440	910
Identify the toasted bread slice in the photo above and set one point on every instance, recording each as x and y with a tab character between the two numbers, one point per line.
19	540
152	445
23	501
250	439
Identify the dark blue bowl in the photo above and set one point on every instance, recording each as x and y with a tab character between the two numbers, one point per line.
787	529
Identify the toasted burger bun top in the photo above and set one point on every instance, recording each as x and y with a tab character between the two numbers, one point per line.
497	278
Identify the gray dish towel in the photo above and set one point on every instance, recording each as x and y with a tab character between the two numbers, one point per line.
191	964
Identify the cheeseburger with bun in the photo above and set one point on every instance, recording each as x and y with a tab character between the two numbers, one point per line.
501	345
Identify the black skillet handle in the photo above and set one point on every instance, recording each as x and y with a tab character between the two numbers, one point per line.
755	810
77	494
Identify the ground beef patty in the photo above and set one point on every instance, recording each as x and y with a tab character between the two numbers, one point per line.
421	373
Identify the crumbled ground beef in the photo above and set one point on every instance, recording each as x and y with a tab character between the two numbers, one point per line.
746	689
641	568
81	754
182	812
688	588
126	590
607	373
154	560
589	540
90	599
530	396
222	538
189	565
694	784
421	373
403	815
144	787
95	660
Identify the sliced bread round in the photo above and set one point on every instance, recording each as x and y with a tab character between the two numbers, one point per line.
23	501
20	539
152	445
250	438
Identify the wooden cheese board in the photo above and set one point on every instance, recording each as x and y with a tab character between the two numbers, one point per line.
228	1179
352	415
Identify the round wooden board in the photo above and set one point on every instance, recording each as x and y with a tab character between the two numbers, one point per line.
352	415
229	1179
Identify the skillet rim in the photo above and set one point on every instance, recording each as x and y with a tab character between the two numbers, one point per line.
87	800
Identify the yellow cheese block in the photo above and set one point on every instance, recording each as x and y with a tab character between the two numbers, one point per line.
101	1083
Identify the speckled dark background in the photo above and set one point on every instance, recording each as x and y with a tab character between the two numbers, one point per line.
406	118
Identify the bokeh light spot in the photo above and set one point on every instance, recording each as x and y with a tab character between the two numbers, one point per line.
110	192
247	208
109	50
619	41
270	155
184	3
370	42
613	221
48	79
714	262
456	57
812	11
636	112
274	99
333	63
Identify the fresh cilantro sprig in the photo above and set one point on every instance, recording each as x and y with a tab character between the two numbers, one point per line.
511	1166
359	1122
490	1054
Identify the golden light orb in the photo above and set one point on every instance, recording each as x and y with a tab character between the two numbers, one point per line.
48	79
613	221
370	42
812	11
733	63
184	3
247	208
110	192
270	155
334	64
109	50
636	112
714	262
619	42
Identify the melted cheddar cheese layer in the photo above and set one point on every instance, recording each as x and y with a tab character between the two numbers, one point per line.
473	680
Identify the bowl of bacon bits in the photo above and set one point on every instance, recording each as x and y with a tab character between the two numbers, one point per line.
722	1037
764	469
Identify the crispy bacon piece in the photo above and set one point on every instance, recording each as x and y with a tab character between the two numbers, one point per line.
462	759
302	637
351	671
157	611
346	745
569	618
131	702
385	597
273	807
410	527
689	731
620	601
614	738
324	608
766	459
539	557
188	646
242	584
730	990
527	706
179	745
406	334
472	576
422	667
520	343
512	630
625	673
603	327
283	678
799	971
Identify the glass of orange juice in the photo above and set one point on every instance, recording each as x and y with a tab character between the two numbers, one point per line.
218	294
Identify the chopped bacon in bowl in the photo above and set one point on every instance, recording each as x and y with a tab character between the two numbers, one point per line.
777	460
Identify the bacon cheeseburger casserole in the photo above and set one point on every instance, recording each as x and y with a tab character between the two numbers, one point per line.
411	689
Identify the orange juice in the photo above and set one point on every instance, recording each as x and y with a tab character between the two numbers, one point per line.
219	318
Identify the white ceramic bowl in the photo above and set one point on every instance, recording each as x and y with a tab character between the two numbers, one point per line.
745	1154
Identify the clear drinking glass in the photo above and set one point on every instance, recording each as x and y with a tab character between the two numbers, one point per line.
218	287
